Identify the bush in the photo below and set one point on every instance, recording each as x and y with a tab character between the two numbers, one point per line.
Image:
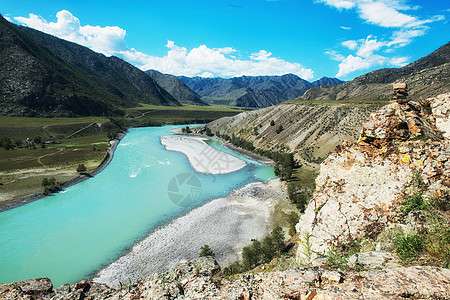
6	143
206	251
50	185
279	129
81	168
208	132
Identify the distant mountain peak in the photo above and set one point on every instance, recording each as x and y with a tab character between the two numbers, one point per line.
251	91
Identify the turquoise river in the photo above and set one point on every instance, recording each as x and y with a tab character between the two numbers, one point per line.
72	234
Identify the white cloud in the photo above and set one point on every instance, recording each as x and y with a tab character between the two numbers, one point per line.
334	55
381	14
368	46
350	44
106	40
199	61
354	63
399	61
208	62
390	14
346	28
365	57
346	4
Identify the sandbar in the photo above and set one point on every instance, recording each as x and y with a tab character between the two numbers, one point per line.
202	157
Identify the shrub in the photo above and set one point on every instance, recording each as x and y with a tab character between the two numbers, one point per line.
50	185
208	132
81	168
206	251
279	129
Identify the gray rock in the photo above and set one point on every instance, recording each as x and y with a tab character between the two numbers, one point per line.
372	260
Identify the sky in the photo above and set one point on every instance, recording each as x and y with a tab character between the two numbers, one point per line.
228	38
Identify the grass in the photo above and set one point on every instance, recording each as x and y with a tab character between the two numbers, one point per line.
26	121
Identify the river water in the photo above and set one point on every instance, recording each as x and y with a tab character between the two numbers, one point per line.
72	234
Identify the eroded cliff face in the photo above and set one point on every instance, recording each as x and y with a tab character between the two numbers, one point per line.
361	185
311	132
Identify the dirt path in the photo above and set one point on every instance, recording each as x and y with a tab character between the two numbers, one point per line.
45	155
79	130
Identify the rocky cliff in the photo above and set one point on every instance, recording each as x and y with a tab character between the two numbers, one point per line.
401	160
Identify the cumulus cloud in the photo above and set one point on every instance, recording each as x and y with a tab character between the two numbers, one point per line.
334	55
208	62
350	44
390	14
347	4
200	61
365	57
107	40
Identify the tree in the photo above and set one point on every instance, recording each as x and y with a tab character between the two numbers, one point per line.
206	251
279	129
6	143
277	236
208	131
50	185
37	140
81	168
292	220
252	255
272	123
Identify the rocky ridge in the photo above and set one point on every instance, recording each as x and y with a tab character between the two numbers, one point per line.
197	280
362	185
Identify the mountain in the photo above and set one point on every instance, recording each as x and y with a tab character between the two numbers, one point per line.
177	88
252	91
311	132
326	81
46	76
425	77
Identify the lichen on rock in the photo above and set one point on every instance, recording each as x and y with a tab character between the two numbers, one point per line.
361	185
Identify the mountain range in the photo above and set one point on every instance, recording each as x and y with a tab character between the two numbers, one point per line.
42	75
253	91
176	88
426	77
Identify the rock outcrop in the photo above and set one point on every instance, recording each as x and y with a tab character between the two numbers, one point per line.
196	280
361	185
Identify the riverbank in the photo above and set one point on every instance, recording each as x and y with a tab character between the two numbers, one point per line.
22	200
202	157
225	224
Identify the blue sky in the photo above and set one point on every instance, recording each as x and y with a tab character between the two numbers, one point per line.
310	38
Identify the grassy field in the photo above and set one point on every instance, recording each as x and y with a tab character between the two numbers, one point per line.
67	142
